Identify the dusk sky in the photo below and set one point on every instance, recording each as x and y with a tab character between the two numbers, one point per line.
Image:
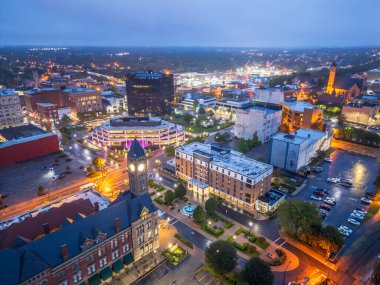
239	23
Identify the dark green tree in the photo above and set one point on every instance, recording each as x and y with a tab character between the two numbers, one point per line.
199	215
187	119
255	140
243	145
201	111
170	151
41	190
169	197
210	206
180	191
257	272
221	256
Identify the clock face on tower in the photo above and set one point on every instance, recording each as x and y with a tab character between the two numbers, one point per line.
132	167
141	167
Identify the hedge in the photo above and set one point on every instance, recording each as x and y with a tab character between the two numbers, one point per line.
185	241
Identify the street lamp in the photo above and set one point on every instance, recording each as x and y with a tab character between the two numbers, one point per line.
250	226
283	280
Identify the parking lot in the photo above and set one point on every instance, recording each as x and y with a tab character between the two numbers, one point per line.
24	178
361	170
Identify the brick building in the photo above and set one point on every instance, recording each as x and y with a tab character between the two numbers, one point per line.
25	142
86	250
43	95
299	114
10	109
47	114
215	169
83	100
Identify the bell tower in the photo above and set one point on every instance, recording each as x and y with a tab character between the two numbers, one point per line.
137	169
330	83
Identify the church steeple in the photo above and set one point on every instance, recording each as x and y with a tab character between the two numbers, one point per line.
330	83
138	177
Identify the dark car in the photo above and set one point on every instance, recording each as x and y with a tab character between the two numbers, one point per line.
43	167
372	194
61	176
325	207
320	193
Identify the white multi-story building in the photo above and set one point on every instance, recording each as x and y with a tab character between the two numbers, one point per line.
147	130
226	109
263	120
293	151
10	109
114	103
218	170
269	95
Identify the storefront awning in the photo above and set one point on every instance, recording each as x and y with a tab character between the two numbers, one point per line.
94	280
117	266
128	259
106	273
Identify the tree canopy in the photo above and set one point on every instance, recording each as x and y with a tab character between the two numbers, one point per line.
199	214
180	191
257	272
169	197
170	151
221	256
98	162
210	206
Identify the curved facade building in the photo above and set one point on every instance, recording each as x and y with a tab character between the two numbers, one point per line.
148	131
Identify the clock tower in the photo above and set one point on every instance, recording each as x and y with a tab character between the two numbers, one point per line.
137	169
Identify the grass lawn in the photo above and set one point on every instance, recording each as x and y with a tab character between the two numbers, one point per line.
231	278
246	247
215	218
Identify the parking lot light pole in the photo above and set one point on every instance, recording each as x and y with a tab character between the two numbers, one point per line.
283	279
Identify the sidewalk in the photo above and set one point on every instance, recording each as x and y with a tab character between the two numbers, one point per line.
309	252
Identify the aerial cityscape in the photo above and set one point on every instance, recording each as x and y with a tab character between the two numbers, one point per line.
189	142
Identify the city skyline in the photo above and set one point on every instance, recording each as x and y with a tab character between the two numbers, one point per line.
171	23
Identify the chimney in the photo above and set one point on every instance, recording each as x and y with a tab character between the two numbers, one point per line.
46	228
117	225
65	252
96	205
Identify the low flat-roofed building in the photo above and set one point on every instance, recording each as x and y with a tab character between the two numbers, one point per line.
260	119
361	113
25	142
226	109
196	99
218	170
121	132
270	201
10	109
293	151
269	95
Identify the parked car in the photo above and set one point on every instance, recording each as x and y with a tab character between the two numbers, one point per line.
61	176
328	159
329	202
365	201
372	194
356	217
362	210
316	169
359	212
325	207
353	221
320	193
344	232
43	167
346	228
313	197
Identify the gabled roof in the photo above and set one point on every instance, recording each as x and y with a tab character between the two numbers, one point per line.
347	83
45	252
136	150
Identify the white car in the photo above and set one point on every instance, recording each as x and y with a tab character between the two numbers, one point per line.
357	217
346	229
344	232
329	202
359	212
365	201
353	221
328	159
313	197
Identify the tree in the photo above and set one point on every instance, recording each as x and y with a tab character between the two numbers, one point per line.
98	162
257	272
41	190
2	203
170	151
187	118
376	274
255	140
90	169
210	206
198	122
201	111
221	256
180	191
318	125
169	197
68	167
65	119
199	215
243	145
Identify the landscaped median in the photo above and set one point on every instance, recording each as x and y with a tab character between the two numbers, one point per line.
259	241
175	254
182	239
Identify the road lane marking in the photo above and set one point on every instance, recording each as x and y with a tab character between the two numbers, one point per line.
277	239
283	243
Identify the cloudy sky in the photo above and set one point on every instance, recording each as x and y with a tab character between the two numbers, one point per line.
239	23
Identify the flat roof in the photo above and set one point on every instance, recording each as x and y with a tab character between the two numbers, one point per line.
231	160
7	92
78	90
267	110
300	136
37	90
46	104
21	132
164	124
299	106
